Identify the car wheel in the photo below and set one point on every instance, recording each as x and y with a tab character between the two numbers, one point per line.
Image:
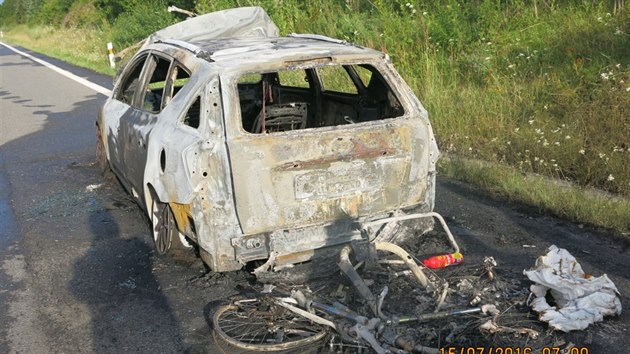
167	239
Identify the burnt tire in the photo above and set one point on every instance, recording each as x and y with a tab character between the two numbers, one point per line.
101	157
168	241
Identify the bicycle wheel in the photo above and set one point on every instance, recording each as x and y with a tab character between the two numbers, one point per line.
262	325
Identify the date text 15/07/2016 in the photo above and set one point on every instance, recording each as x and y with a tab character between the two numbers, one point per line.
514	350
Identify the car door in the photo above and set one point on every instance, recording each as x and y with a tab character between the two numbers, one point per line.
137	123
115	111
175	137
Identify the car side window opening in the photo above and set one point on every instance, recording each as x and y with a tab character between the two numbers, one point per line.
179	77
336	79
154	91
193	114
317	97
364	74
129	86
293	78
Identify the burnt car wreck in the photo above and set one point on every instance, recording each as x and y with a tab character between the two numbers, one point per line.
257	147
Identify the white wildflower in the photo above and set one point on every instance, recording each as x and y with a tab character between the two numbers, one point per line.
582	151
610	178
511	66
602	155
604	76
567	137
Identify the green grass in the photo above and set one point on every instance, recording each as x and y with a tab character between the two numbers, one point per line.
537	88
86	47
566	200
544	89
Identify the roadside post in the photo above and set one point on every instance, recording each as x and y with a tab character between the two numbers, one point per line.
110	49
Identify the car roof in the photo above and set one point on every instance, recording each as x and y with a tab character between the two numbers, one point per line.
247	36
280	47
239	52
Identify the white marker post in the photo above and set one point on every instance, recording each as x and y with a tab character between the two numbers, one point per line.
110	49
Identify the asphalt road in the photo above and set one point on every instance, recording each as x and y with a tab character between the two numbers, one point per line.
77	271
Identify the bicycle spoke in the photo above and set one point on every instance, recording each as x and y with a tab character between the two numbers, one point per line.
260	324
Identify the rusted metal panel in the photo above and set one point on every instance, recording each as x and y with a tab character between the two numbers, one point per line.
311	176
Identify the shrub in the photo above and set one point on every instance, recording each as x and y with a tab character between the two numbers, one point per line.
139	20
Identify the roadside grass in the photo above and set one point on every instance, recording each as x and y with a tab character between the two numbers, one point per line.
532	88
548	195
86	47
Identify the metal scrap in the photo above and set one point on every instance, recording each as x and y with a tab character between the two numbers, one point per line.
490	327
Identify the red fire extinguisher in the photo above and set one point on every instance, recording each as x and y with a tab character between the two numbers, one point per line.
443	260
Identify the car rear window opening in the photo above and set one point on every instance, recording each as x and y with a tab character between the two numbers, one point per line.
322	96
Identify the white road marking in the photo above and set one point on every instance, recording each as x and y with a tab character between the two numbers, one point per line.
69	75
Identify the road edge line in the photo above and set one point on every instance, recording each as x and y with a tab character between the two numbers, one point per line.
98	88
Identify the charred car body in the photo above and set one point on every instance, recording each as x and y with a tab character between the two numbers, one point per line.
254	146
